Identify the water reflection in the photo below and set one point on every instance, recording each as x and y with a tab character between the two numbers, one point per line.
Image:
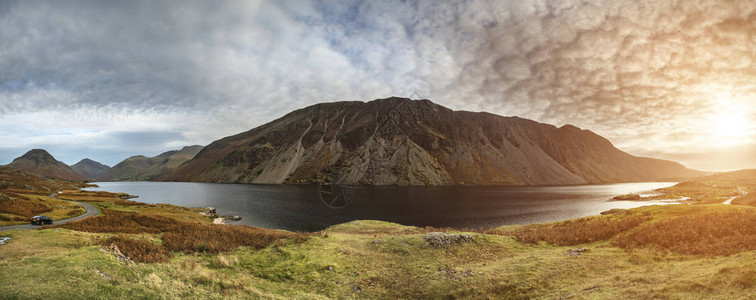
301	207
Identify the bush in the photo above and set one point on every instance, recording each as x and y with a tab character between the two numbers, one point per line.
701	234
183	236
139	250
122	222
215	238
578	231
25	208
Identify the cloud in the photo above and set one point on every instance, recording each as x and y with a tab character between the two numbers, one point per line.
646	75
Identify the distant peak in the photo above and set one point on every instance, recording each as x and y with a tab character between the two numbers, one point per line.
36	152
37	156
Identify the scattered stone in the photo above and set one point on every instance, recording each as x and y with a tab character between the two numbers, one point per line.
441	240
234	218
103	275
376	242
113	248
4	239
210	210
329	268
356	288
575	252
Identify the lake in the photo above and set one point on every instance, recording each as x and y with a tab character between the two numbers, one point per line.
305	208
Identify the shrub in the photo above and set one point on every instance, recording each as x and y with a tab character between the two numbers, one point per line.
139	250
701	234
25	208
183	236
215	238
122	222
578	231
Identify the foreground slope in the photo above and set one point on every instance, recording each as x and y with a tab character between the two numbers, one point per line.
405	142
138	168
38	161
379	260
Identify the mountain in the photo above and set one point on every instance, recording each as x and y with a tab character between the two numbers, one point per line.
138	168
38	161
90	168
407	142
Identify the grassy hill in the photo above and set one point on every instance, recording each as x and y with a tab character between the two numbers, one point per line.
677	251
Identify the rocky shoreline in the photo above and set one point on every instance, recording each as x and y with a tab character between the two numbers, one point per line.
218	219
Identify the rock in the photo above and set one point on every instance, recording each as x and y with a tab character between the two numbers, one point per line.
210	210
103	275
441	240
356	288
329	268
576	252
234	218
113	248
4	239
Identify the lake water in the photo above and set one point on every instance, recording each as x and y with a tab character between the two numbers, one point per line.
301	207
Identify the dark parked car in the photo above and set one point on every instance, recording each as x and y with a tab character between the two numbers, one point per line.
41	220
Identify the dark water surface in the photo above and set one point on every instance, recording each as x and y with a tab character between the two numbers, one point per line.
299	207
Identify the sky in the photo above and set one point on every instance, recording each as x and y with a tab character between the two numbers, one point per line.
110	79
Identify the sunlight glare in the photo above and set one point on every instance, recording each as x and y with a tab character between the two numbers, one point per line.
730	123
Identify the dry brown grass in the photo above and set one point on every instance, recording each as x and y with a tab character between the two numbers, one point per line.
122	222
139	250
578	231
20	206
721	233
184	236
214	238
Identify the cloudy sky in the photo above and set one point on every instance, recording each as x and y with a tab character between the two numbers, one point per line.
111	79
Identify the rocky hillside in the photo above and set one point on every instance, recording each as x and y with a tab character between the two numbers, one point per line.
90	168
139	168
12	178
406	142
38	161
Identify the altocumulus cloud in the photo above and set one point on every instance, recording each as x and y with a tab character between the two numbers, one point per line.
95	78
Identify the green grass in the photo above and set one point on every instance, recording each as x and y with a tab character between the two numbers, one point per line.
374	259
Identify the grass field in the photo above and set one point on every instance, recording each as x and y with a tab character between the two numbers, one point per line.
147	251
373	259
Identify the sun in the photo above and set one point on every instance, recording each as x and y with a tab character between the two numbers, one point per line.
729	122
730	125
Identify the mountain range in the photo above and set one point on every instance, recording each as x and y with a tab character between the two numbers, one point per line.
398	141
141	168
135	168
90	168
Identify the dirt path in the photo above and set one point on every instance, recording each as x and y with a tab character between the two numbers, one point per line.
729	200
91	211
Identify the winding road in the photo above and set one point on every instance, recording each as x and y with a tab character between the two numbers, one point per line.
729	200
91	211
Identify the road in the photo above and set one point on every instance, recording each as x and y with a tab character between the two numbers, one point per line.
91	211
729	200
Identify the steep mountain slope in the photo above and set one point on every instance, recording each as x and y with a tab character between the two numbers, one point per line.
139	167
39	162
90	168
401	141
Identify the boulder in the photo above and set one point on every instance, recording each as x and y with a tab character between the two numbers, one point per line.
441	240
